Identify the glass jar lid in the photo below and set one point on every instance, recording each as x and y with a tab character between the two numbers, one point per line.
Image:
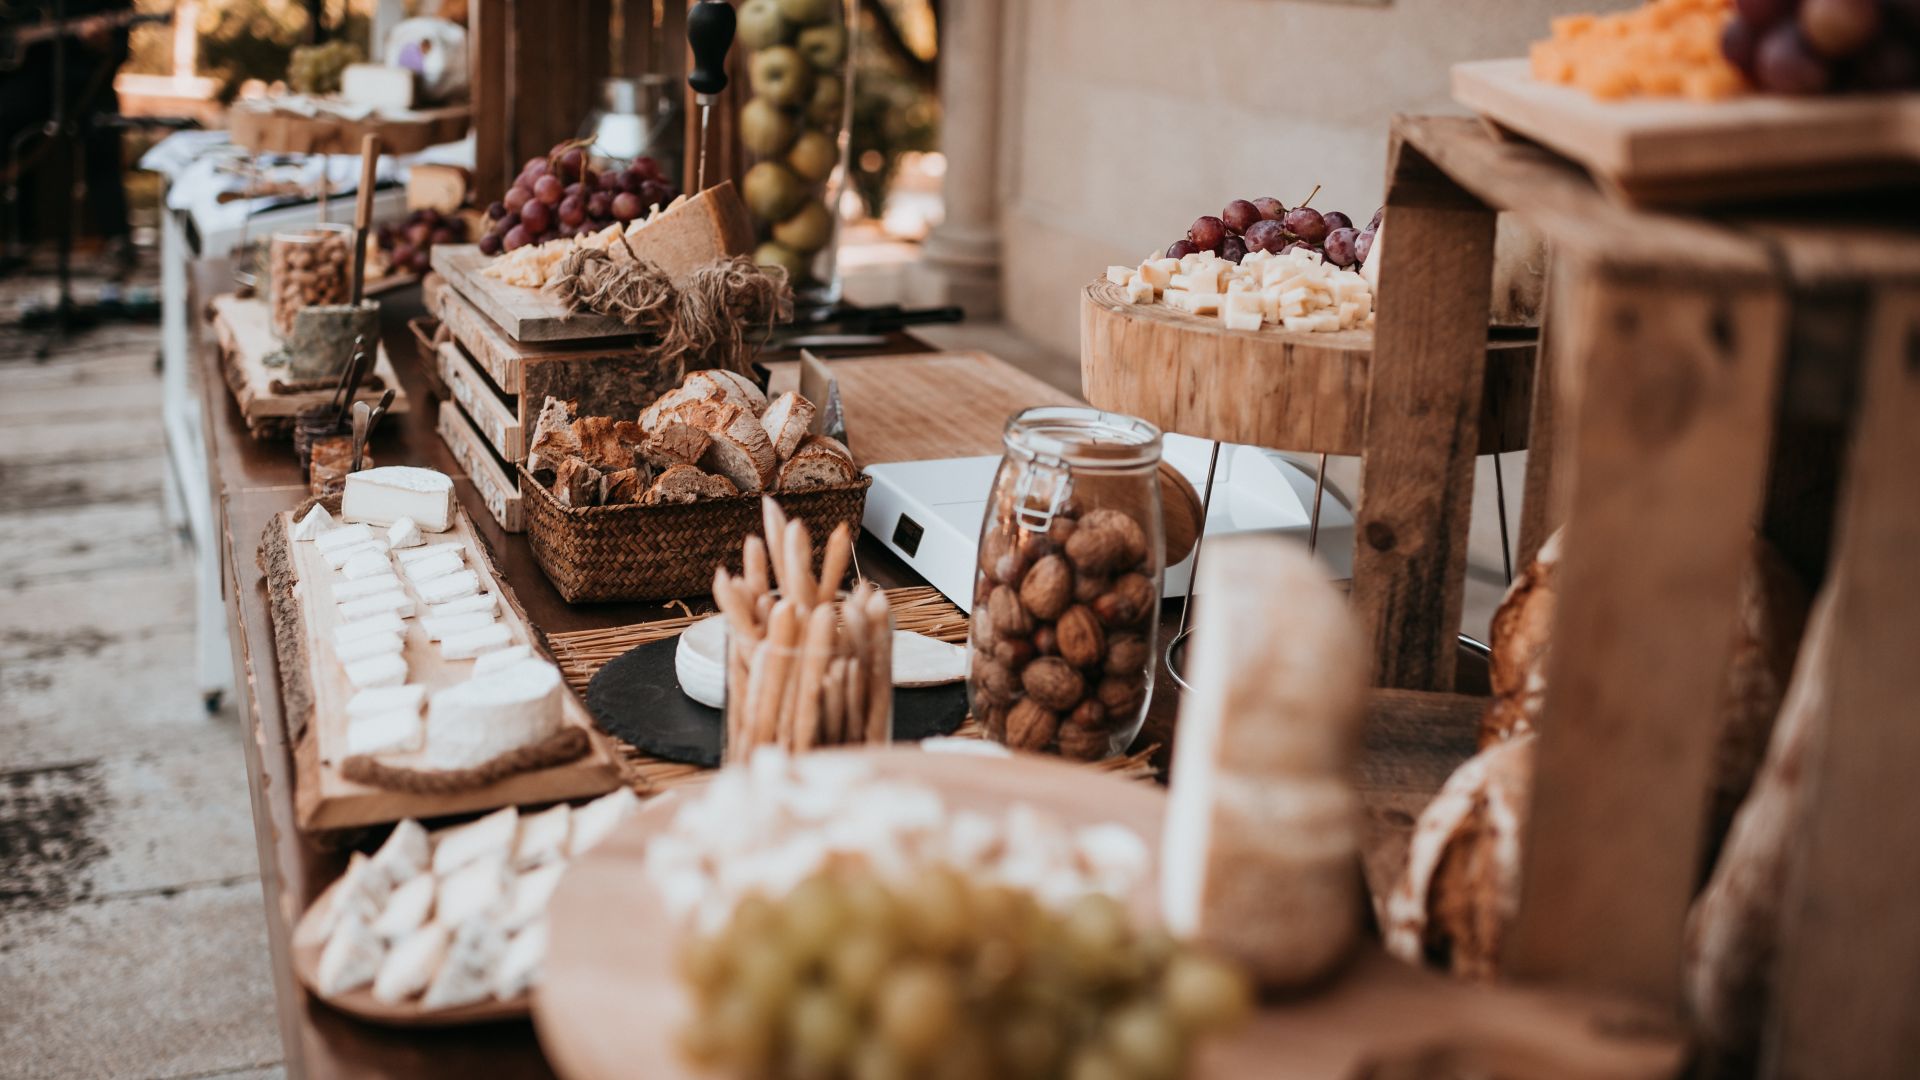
1082	438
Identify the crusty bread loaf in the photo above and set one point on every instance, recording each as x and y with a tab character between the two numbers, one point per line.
577	483
624	486
601	444
818	462
686	484
729	386
787	421
1259	858
740	449
673	441
1521	631
553	438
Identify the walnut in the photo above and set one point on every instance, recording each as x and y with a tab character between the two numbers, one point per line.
994	719
1082	642
1047	588
1015	653
1000	557
1088	587
1046	641
1096	550
1008	617
1035	545
1053	682
1089	714
1030	726
1131	537
1062	530
1084	743
1126	654
1121	694
1128	602
995	681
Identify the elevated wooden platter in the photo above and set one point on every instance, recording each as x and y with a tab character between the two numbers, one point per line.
245	339
323	798
610	1002
1275	388
1655	151
277	131
361	1003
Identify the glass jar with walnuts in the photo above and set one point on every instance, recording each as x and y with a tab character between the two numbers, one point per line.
1066	596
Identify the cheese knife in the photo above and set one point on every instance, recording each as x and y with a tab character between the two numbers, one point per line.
363	213
362	414
710	26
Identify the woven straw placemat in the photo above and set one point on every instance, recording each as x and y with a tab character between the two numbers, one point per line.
921	609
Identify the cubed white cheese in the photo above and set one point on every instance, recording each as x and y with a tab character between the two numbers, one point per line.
1158	272
386	670
499	659
439	627
394	600
386	494
1241	320
366	586
371	645
412	555
428	569
449	587
368	564
1118	275
344	536
468	644
1139	291
339	557
1206	303
382	699
384	622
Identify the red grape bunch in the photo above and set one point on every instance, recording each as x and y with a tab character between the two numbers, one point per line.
1265	224
408	242
561	195
1818	46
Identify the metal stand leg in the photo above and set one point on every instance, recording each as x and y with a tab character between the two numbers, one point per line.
1179	641
1313	515
1500	501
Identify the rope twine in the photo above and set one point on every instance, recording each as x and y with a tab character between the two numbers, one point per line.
717	319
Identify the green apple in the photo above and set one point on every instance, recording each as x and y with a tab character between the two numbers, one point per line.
760	25
807	231
829	94
765	128
781	75
772	254
771	191
823	46
807	11
814	155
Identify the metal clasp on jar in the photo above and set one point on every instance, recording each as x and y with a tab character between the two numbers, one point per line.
1043	480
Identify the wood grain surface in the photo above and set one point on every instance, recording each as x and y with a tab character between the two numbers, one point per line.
245	338
272	131
499	488
496	419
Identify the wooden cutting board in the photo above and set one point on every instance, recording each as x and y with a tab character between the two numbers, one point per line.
245	339
525	314
1674	151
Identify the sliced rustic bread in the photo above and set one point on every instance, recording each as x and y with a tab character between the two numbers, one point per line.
818	462
787	421
672	442
601	444
740	450
624	486
553	438
686	484
673	399
729	386
577	483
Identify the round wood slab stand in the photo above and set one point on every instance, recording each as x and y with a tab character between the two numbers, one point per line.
1281	389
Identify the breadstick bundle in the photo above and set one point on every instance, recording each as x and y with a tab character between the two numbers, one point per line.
804	669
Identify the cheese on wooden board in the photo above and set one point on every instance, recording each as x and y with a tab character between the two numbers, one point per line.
456	847
520	964
427	569
392	601
439	627
487	602
368	564
384	622
382	699
467	644
451	587
592	822
474	890
405	533
338	557
473	722
316	522
528	895
406	852
386	670
366	586
412	963
369	645
499	659
407	909
543	837
385	89
396	732
444	547
343	536
349	896
352	957
465	975
384	495
1261	835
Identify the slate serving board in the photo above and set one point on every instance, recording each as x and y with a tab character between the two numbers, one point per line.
637	697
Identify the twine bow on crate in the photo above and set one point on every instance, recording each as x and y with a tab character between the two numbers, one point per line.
703	322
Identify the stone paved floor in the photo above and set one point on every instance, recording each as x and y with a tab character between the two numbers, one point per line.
132	942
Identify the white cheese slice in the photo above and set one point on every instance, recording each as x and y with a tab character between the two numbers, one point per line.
528	895
384	622
342	536
520	964
500	659
473	722
468	644
543	837
412	963
476	890
377	86
465	976
368	564
405	533
351	959
396	732
393	600
919	660
384	495
339	557
383	699
388	669
348	896
1156	272
370	645
366	586
456	847
407	909
487	602
406	852
427	569
439	627
316	522
1241	320
1118	275
451	587
410	555
592	822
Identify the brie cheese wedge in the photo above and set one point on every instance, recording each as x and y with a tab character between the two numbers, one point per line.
366	586
456	847
427	569
543	837
465	975
405	854
342	536
316	522
351	959
405	533
476	890
369	645
407	909
412	963
520	964
592	822
473	722
500	659
368	564
388	669
382	699
396	732
384	495
451	587
467	644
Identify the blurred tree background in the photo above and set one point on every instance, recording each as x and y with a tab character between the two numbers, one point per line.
896	107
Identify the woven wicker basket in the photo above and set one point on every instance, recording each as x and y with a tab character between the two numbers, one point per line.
633	552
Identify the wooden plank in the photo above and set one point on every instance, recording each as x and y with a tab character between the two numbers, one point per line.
270	131
494	167
524	314
1413	742
1672	150
1849	947
499	421
1668	403
246	339
1423	415
324	798
497	354
499	489
1542	506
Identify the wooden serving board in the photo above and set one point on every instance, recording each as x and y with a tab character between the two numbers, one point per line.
273	131
525	314
1271	387
497	486
323	798
245	339
1672	151
361	1003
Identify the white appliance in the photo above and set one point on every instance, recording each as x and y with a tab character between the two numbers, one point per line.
929	512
